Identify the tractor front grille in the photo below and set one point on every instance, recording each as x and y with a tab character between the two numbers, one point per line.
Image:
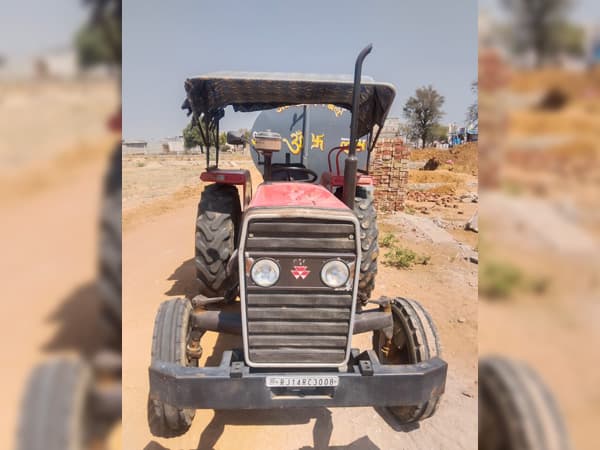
299	321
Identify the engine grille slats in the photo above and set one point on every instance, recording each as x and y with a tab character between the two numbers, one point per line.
299	321
292	355
286	313
275	340
295	243
299	327
322	230
308	300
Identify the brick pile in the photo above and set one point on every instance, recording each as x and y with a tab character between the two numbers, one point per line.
389	168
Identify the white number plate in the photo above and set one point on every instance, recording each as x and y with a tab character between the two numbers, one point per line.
303	381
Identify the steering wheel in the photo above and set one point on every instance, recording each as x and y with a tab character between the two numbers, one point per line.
290	170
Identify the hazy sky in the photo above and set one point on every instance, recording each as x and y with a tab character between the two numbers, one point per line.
415	43
30	27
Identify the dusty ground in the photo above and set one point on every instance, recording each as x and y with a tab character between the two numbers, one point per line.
157	258
50	183
543	221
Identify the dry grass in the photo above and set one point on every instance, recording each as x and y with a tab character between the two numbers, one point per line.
436	176
463	157
571	83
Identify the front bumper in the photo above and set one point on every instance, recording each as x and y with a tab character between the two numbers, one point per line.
234	385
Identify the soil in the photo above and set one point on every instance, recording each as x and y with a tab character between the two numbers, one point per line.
543	219
53	156
158	264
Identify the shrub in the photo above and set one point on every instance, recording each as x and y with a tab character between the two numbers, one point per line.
499	279
387	240
403	258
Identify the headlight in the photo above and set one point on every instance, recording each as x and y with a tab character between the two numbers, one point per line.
335	273
265	272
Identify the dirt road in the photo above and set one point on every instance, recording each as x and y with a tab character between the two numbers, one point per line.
49	248
158	264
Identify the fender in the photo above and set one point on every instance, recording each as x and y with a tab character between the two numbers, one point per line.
233	177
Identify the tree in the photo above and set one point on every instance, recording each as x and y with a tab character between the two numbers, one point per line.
99	40
192	137
536	26
439	133
423	112
473	110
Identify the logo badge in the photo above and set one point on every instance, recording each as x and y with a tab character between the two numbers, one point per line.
300	269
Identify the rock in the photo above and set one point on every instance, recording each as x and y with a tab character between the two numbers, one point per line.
470	197
461	320
473	224
431	164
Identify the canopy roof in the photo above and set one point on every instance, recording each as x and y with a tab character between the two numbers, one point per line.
209	94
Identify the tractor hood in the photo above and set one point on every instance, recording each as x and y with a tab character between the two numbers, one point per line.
209	94
295	195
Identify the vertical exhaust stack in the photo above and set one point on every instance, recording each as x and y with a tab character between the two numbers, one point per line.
351	166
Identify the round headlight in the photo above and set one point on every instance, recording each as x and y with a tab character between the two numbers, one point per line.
265	272
335	273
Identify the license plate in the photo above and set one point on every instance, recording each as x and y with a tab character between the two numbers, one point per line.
302	381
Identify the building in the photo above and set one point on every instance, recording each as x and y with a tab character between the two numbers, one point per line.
133	147
173	145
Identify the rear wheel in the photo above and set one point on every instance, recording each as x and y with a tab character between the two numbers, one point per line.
415	339
364	208
516	410
217	222
169	341
109	264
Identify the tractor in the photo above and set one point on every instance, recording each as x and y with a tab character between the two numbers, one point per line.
291	268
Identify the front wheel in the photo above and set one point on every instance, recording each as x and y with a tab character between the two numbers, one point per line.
169	342
516	409
56	411
415	339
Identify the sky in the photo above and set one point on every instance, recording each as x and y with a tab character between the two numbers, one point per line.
30	27
416	43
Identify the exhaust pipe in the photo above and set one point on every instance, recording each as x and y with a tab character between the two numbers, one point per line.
351	165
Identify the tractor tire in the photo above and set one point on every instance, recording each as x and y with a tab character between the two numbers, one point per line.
217	228
55	410
516	410
364	208
169	342
415	340
109	260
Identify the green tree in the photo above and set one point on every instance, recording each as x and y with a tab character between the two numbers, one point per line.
423	112
192	137
95	42
536	26
439	133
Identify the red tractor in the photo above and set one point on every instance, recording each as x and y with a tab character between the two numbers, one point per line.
301	256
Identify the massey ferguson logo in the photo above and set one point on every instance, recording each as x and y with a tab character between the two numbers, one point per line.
300	270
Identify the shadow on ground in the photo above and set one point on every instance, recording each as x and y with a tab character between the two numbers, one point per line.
184	280
76	318
321	433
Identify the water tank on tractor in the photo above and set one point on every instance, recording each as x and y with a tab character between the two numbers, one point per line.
308	133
